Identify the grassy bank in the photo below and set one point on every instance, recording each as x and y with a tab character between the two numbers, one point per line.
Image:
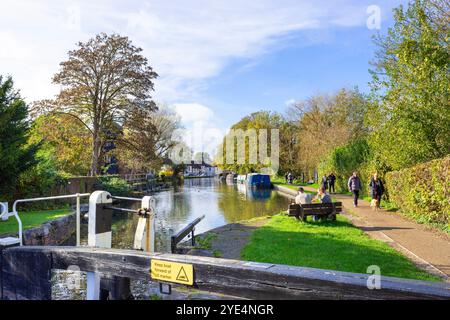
31	219
326	245
280	182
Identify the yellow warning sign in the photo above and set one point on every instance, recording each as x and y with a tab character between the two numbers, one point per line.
172	272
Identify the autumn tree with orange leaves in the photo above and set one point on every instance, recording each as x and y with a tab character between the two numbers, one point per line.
103	82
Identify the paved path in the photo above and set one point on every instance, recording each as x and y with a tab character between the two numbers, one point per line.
428	249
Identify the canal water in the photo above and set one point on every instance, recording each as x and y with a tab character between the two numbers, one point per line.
220	203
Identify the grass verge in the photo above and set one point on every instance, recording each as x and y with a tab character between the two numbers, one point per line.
282	182
291	186
31	219
327	245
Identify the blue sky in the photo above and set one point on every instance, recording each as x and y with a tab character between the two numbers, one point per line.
297	72
217	60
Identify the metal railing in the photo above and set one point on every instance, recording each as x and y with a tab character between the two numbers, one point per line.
15	213
189	229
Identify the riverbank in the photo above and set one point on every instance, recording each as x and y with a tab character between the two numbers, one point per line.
225	242
43	228
327	245
32	219
280	239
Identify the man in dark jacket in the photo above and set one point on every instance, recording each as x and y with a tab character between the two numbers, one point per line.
354	185
331	182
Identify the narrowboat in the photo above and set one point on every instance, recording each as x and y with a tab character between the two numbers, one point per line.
258	180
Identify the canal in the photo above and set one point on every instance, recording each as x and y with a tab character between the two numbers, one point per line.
220	203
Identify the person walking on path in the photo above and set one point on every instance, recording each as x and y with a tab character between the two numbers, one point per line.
286	175
376	190
324	182
331	182
354	185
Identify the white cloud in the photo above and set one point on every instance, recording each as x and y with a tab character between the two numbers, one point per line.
201	131
191	113
289	102
187	42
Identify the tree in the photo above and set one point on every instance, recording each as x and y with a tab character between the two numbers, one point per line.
326	122
202	157
103	81
409	113
148	137
262	120
65	141
181	154
289	147
343	161
16	155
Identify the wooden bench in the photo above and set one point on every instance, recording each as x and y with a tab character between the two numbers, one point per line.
323	210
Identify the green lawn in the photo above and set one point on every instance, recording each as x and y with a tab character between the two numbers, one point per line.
326	245
295	187
282	182
31	219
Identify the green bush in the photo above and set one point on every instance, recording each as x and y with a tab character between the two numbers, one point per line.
41	180
114	185
423	192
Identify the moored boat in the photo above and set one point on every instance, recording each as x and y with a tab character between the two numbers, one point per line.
258	180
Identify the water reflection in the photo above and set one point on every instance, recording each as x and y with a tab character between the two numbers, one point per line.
219	202
253	193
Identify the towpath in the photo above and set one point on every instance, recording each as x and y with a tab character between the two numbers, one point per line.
429	249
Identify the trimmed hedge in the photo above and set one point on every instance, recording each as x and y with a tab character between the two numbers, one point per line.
422	192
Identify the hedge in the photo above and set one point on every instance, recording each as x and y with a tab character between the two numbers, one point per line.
114	185
422	192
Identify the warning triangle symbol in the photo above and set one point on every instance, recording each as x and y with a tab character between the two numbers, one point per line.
182	276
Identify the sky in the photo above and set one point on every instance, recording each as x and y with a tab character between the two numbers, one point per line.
218	61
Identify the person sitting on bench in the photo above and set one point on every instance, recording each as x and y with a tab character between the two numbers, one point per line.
303	197
322	197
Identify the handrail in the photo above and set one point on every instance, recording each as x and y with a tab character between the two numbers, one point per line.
78	196
120	209
126	198
183	233
4	211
